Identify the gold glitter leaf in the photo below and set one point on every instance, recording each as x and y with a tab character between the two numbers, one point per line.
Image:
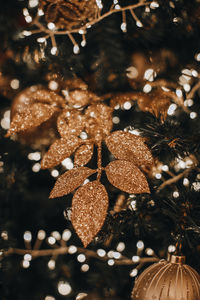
125	176
70	122
98	121
83	154
31	117
127	146
59	150
81	97
70	180
89	208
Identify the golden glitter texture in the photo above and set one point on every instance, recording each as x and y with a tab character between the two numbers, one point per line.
98	121
83	154
130	147
32	117
70	180
127	177
70	122
89	208
167	280
81	97
60	150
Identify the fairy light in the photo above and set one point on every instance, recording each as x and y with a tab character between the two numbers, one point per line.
110	254
196	186
28	19
41	40
140	245
81	296
175	194
27	33
4	235
49	298
27	236
85	268
64	288
133	205
101	252
66	235
134	273
186	182
25	264
135	258
154	5
99	4
41	235
149	251
72	249
76	49
127	105
36	167
51	264
123	27
139	24
28	257
149	74
120	247
116	120
51	26
194	73
187	87
40	12
34	156
132	72
33	3
53	85
81	258
67	163
171	248
83	135
51	240
165	168
86	181
56	235
179	93
171	109
54	50
14	84
197	56
111	262
83	43
158	176
193	115
54	173
147	88
116	255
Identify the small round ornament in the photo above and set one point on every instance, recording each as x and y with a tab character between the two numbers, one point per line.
168	279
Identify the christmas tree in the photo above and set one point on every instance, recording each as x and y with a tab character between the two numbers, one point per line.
100	149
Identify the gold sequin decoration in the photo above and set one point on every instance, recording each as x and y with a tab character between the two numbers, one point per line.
61	149
130	147
83	154
89	208
125	176
70	180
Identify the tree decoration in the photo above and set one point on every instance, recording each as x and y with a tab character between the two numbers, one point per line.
168	279
72	17
93	118
69	14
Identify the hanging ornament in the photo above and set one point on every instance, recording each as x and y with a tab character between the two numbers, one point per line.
168	279
69	14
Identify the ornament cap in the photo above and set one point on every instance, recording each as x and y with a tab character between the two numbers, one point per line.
176	259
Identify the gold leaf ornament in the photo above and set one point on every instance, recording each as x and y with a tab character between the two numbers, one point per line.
130	147
59	150
98	121
125	176
70	122
89	209
70	180
83	154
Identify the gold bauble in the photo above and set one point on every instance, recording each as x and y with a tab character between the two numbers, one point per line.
168	279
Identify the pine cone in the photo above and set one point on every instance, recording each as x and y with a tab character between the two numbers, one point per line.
69	14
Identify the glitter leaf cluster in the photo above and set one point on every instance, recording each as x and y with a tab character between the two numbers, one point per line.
81	111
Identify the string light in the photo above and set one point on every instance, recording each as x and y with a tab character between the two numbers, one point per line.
111	262
56	235
28	257
67	163
101	252
54	50
41	235
134	273
171	248
120	247
147	88
54	173
51	240
66	235
25	264
51	264
36	167
81	296
85	268
27	236
135	258
81	258
64	288
49	298
140	245
72	249
14	84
